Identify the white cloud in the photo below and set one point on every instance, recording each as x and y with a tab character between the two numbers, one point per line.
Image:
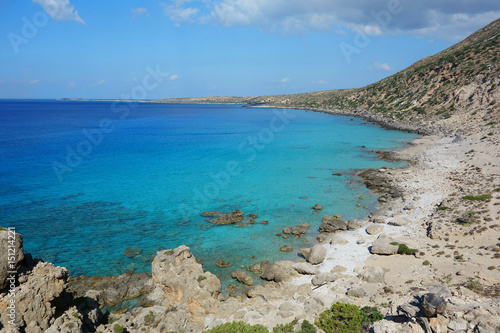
139	11
60	10
319	82
380	67
178	13
285	80
173	77
96	84
33	82
441	19
72	85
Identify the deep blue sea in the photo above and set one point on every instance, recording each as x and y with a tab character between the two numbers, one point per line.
85	181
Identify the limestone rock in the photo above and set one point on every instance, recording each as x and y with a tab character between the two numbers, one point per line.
382	245
275	273
356	292
317	254
399	222
297	230
6	248
331	224
177	283
374	229
242	277
373	275
354	224
286	248
305	268
113	289
323	278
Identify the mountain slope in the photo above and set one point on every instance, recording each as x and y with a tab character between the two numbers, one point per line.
458	88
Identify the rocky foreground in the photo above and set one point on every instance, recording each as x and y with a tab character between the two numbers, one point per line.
428	259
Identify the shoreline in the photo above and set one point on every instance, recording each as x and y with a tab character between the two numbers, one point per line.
448	254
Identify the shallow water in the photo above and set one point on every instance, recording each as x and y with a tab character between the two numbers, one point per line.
85	181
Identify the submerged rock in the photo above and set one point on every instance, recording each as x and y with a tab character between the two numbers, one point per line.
223	264
286	248
297	230
236	216
317	207
132	252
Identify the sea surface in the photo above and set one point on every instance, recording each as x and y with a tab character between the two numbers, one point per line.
100	187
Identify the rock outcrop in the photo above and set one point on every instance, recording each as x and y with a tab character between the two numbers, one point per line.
236	216
180	281
113	289
297	230
384	245
332	224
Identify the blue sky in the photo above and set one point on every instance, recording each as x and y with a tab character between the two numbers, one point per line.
108	49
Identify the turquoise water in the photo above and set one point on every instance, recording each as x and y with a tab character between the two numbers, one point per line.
85	181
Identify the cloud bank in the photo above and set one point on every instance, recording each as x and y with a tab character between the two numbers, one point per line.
60	10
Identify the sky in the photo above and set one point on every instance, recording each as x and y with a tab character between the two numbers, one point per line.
142	49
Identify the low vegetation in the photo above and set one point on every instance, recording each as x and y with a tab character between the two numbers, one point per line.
478	197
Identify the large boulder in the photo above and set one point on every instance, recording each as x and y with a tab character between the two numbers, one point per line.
297	230
384	245
180	281
433	304
11	247
305	268
317	254
332	224
373	275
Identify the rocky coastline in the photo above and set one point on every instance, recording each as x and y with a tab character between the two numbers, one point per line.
423	244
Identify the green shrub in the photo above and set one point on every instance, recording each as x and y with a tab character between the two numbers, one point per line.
169	252
284	328
238	327
477	198
118	329
307	327
370	315
443	208
340	318
404	249
473	284
467	218
201	278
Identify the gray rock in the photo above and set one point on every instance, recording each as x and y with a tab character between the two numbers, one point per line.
317	254
399	222
332	225
305	268
6	253
458	325
259	267
304	252
357	292
354	225
374	229
408	310
275	273
373	275
323	278
297	230
433	305
242	277
382	245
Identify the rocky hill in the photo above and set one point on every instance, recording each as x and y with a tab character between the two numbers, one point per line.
456	90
